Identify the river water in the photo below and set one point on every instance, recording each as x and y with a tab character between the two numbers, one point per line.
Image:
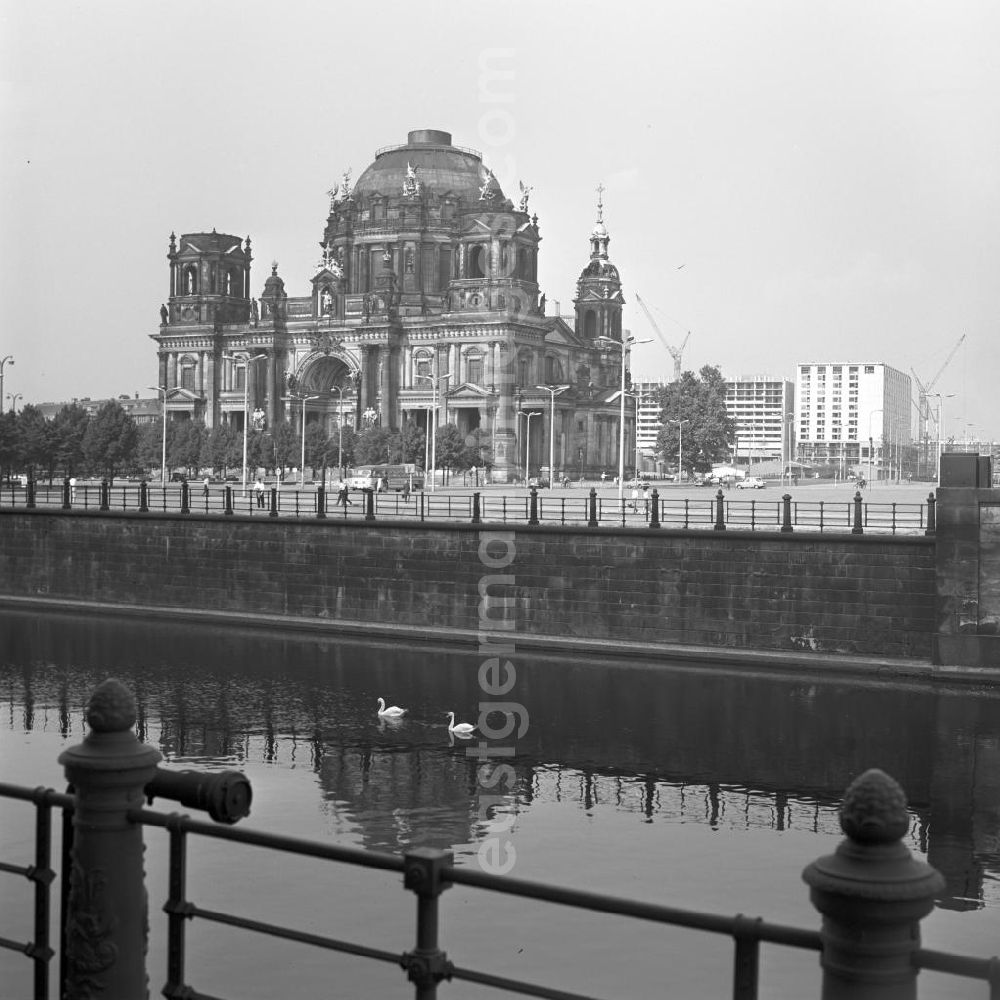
708	789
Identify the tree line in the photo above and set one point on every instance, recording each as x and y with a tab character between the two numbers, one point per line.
110	444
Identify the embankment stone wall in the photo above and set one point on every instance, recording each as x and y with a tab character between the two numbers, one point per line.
863	595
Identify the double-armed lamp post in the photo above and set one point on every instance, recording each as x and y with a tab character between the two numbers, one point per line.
163	448
8	360
553	391
247	360
623	345
302	465
680	445
434	379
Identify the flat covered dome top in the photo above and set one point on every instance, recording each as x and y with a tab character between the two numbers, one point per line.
440	167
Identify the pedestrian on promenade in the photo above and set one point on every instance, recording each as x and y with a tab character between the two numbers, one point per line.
342	498
72	489
406	489
258	490
204	488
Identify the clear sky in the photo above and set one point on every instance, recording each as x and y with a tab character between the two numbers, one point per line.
790	181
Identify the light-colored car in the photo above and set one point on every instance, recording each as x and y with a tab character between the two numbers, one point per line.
750	483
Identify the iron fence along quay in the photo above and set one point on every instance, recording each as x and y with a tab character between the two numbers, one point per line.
721	511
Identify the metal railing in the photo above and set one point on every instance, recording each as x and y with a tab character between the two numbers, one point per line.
427	873
719	512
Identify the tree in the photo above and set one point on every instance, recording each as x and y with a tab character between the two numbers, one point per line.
450	451
373	446
700	400
412	444
8	443
35	440
317	447
224	448
185	439
284	443
69	429
111	439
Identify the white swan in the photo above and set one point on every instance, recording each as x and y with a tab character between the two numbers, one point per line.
461	728
392	712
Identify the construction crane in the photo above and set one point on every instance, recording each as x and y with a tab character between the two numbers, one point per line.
675	352
923	406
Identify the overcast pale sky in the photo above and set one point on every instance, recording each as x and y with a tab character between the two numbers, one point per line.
790	181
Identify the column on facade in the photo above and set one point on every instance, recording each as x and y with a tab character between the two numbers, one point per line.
363	387
389	386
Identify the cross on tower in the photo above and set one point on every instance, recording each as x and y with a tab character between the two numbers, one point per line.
600	202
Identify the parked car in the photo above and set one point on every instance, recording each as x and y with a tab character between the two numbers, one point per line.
750	483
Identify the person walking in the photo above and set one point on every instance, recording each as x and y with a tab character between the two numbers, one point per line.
342	498
258	492
204	488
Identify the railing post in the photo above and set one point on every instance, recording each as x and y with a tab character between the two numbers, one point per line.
143	497
857	529
106	919
427	964
931	514
320	501
592	504
185	497
476	511
369	504
786	512
273	512
654	510
872	893
29	490
720	513
105	495
421	505
66	504
228	501
533	506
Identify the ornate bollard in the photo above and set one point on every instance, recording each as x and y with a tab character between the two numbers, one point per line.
185	497
654	509
857	529
592	521
872	893
476	510
66	494
786	512
931	514
228	501
29	489
369	504
106	918
320	501
533	506
105	495
144	497
720	512
273	512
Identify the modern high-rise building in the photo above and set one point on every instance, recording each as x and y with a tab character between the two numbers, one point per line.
763	409
648	423
856	415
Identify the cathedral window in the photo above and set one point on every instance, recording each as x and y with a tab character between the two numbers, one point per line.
474	370
187	373
590	324
191	279
477	262
523	371
240	378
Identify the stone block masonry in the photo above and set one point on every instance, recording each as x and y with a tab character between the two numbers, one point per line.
824	594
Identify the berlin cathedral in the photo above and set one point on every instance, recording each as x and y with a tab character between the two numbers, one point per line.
424	306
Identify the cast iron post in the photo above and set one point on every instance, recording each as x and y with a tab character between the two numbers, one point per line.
592	503
654	510
872	893
931	514
369	504
427	964
786	512
533	506
106	920
185	497
476	512
857	529
320	501
273	512
66	504
29	500
228	508
144	497
720	513
105	495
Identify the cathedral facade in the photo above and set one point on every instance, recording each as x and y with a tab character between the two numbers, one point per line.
424	306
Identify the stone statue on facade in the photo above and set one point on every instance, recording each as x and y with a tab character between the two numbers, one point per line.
164	314
525	191
486	191
411	186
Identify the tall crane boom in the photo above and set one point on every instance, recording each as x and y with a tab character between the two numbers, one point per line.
924	391
675	352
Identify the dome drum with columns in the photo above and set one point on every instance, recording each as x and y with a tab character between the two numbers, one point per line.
427	273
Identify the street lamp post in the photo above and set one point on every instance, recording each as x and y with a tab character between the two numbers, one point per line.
434	382
528	414
302	465
340	433
871	441
680	444
248	360
163	446
623	345
14	397
553	391
9	359
941	397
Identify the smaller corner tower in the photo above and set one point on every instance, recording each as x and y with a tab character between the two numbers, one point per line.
599	298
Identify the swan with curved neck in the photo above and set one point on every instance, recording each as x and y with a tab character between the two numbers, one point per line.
392	712
461	727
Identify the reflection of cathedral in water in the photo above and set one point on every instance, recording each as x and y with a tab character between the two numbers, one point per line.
424	306
727	751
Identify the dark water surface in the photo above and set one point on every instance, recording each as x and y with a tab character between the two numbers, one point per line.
704	789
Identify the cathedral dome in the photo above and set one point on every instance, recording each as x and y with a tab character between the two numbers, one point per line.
601	269
440	168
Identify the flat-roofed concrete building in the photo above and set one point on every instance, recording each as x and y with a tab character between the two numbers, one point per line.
763	409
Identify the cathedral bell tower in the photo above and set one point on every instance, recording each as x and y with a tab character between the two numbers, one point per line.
599	298
209	280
